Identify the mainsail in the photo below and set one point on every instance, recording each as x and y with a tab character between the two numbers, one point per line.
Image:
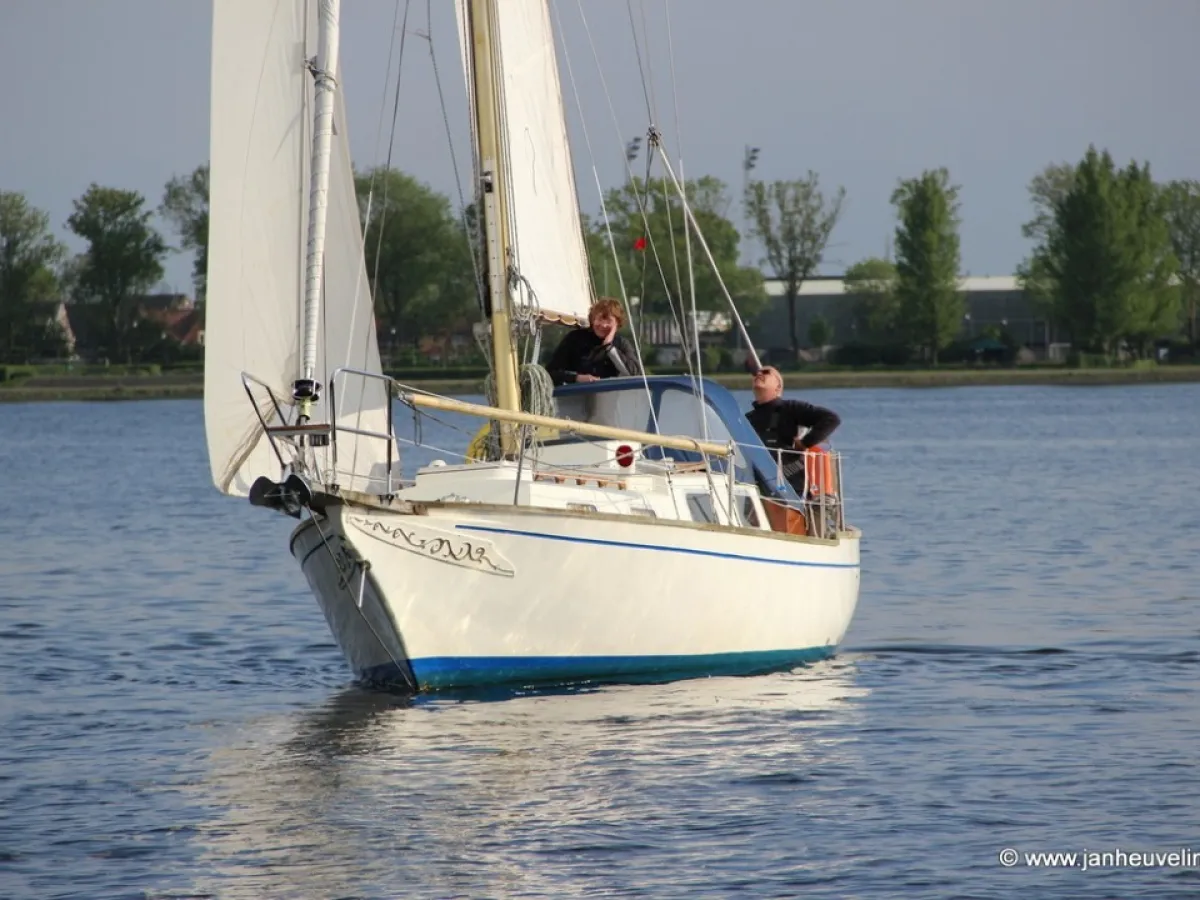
261	128
545	228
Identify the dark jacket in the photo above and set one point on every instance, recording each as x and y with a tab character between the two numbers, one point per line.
581	352
777	422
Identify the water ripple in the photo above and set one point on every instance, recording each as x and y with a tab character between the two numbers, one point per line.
1022	673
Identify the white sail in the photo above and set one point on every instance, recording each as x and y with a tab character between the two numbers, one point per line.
546	232
258	211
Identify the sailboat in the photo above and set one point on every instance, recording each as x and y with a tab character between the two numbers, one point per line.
632	528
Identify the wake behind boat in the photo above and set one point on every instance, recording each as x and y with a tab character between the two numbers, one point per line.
626	528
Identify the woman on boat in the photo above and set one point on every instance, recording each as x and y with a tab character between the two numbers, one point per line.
589	354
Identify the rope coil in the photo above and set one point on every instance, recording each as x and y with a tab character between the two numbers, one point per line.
537	397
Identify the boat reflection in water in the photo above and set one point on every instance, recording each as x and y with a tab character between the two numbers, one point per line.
372	794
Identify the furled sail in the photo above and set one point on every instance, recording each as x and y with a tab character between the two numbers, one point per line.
261	125
545	226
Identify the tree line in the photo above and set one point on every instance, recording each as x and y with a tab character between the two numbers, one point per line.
1115	262
103	285
1115	259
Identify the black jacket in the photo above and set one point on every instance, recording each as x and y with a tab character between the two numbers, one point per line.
777	422
581	352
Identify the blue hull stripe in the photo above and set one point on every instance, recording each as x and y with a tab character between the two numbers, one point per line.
437	672
658	547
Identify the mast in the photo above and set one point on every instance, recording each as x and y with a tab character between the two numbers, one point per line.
307	389
494	194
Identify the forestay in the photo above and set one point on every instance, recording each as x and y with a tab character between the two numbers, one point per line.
547	236
258	211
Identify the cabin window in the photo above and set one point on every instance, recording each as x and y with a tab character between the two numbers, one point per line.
679	413
701	508
749	512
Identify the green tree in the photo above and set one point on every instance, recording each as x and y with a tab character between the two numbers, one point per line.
185	206
1106	263
873	282
648	225
28	286
123	259
820	332
1181	201
927	260
418	258
794	220
1046	190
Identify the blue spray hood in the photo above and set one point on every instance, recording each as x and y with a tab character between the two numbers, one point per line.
668	395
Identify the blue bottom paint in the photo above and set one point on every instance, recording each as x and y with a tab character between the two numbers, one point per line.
441	672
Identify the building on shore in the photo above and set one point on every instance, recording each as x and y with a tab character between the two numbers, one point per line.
992	303
173	319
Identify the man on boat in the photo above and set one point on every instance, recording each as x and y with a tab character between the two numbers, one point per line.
589	354
779	423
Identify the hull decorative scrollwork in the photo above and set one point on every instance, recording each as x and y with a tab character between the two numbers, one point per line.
441	546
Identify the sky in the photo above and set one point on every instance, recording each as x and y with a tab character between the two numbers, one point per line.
863	92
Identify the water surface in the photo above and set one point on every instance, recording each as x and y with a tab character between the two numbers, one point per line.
1023	672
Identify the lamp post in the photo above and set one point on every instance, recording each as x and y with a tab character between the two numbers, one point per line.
632	149
749	161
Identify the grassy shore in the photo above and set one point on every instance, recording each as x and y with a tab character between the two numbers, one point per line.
172	385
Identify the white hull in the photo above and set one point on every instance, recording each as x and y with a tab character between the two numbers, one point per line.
476	594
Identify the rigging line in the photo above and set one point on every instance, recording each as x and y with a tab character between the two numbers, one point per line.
363	566
674	255
643	200
691	293
391	145
432	417
674	81
687	234
718	501
640	200
383	100
434	447
470	228
587	140
374	280
687	209
638	196
691	267
637	49
649	59
686	335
